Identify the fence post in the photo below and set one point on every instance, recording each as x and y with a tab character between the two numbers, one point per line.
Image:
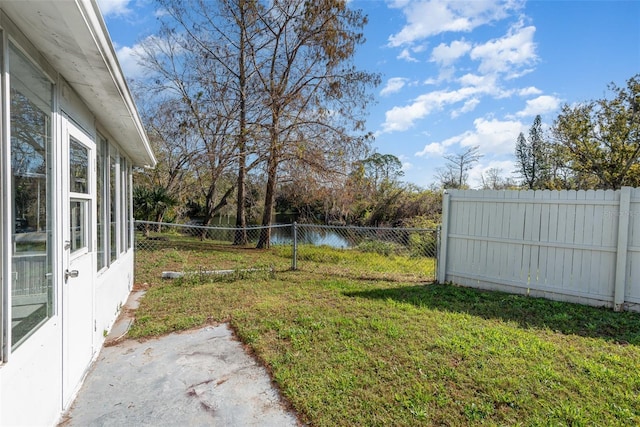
444	237
438	236
621	256
294	259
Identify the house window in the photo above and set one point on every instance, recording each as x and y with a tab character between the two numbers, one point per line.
79	188
113	211
113	203
101	205
31	103
78	225
125	204
78	167
124	224
129	208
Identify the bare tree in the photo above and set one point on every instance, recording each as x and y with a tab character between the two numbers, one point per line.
261	84
455	174
175	151
213	41
314	95
494	179
203	111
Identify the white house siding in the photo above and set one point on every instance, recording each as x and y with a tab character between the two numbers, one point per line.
31	382
90	100
31	385
112	289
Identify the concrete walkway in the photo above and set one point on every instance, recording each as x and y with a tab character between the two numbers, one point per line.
195	378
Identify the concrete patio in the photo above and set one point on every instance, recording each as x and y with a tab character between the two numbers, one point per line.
201	377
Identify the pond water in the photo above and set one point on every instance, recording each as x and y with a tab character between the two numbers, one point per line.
282	234
306	236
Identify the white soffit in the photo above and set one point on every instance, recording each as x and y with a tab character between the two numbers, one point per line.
72	36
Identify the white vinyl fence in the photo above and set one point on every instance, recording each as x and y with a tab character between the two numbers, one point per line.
578	246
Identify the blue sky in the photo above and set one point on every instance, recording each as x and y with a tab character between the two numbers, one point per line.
456	74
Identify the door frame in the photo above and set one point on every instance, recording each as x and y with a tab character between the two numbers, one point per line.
77	293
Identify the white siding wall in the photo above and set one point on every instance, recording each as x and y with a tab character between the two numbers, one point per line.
112	289
557	244
33	374
31	385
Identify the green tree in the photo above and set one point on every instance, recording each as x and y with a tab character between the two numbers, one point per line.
532	157
381	169
602	138
150	204
382	191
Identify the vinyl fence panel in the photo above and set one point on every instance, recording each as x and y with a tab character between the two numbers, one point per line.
632	291
580	246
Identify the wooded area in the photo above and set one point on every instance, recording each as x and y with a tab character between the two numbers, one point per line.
256	109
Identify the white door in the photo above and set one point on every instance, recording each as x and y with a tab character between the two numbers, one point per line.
79	257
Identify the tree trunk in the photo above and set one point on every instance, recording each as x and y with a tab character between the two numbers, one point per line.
213	210
208	212
272	168
240	237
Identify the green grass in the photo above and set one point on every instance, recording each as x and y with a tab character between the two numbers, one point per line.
346	350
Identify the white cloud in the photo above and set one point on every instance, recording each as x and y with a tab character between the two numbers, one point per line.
509	54
161	12
492	136
406	55
476	80
129	58
403	118
435	148
394	85
114	7
475	174
528	91
444	54
540	105
438	148
487	84
468	106
431	17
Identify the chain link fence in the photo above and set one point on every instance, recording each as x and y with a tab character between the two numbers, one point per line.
362	253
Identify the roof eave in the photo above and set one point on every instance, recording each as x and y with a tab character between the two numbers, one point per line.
73	38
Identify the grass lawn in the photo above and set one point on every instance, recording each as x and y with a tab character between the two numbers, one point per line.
350	349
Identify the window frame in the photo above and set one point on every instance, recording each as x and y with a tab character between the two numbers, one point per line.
130	220
124	224
102	204
5	196
117	203
84	198
113	214
12	41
